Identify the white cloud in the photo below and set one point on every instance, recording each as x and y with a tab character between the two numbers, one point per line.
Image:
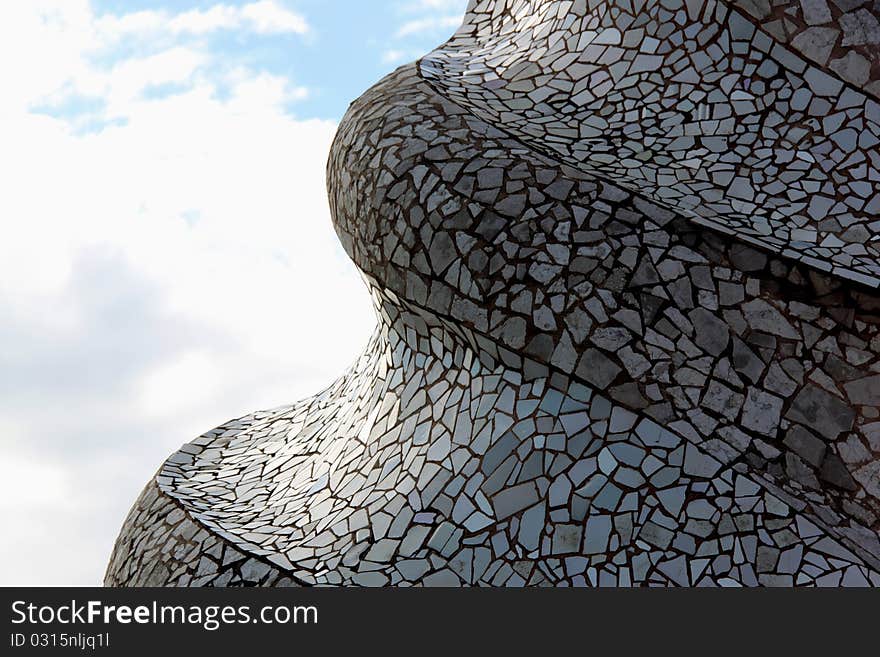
395	56
435	5
158	275
48	48
267	17
428	24
263	17
425	23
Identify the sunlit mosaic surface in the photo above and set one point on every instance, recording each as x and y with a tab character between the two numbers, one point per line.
625	263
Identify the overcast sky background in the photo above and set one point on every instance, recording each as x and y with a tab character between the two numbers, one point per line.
167	261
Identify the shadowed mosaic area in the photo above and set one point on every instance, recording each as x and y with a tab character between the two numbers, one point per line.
624	259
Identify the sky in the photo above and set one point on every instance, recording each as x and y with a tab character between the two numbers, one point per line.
167	261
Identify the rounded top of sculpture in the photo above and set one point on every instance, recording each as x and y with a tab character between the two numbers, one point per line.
711	109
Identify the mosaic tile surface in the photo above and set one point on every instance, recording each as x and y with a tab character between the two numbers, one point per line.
840	35
594	365
690	104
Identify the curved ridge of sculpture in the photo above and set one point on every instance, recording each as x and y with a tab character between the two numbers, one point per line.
689	104
577	378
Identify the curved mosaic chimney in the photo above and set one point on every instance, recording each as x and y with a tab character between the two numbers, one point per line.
625	258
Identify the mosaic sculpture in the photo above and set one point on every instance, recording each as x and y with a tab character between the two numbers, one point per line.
625	258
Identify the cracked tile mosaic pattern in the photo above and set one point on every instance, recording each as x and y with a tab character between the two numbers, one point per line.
623	258
842	35
690	104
